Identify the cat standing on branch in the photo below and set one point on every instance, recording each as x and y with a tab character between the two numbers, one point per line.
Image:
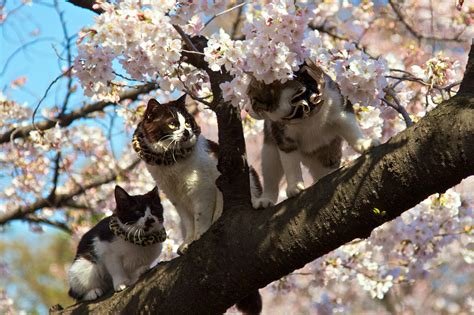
305	121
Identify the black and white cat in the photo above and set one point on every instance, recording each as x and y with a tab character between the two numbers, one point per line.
184	165
305	122
120	248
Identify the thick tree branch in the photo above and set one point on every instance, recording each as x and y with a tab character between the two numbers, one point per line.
245	249
60	200
67	119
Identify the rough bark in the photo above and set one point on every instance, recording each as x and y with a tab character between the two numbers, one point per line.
247	249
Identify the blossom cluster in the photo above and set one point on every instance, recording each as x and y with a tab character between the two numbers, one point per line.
271	49
360	78
12	114
437	71
142	40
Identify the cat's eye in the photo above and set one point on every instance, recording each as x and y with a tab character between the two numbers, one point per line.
187	124
172	125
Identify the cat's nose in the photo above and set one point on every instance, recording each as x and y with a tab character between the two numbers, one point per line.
149	222
185	135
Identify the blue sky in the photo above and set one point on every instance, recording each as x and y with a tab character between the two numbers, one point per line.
39	28
38	61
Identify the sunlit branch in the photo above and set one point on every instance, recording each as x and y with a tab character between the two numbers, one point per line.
67	119
60	200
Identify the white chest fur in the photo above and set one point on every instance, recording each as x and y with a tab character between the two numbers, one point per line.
188	178
131	256
190	185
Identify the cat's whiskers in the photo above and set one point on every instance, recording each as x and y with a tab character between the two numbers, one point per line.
172	152
169	144
165	137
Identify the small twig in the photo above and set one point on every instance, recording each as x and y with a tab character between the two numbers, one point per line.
12	55
398	107
190	93
185	38
57	167
224	12
192	52
236	22
69	58
44	96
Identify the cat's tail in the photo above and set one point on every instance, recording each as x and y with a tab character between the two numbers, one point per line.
251	304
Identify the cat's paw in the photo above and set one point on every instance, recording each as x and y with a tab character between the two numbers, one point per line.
294	190
183	248
93	294
120	287
363	145
259	203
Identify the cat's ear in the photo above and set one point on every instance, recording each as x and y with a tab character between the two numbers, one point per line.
181	101
154	192
150	108
122	198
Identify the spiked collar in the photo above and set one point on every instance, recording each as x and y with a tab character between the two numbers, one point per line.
143	240
145	153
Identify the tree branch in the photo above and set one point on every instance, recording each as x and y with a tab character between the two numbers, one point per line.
56	224
250	249
60	200
232	161
414	32
66	119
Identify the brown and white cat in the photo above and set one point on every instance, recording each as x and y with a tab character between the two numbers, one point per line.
184	163
305	121
120	248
